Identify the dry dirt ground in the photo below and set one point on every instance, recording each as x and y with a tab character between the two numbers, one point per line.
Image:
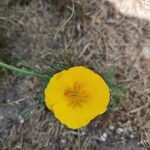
51	35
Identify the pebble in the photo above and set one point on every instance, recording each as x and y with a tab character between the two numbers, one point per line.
103	139
8	100
119	130
21	120
83	133
63	141
105	135
146	52
131	136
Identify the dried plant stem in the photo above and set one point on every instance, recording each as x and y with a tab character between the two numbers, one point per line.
23	71
73	9
138	109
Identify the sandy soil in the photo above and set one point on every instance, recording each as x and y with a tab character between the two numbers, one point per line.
51	36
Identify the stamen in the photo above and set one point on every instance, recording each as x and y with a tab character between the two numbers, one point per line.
76	95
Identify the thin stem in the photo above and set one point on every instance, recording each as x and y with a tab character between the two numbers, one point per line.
23	71
64	24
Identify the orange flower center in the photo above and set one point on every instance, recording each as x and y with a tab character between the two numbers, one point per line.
76	95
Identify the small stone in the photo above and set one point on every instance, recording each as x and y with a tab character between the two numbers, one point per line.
105	135
63	141
8	100
120	130
141	143
83	133
21	120
131	136
103	139
146	52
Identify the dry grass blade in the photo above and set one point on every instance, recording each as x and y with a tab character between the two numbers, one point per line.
64	24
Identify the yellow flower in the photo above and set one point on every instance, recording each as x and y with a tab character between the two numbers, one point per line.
76	96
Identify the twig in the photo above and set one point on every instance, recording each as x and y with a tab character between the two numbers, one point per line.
138	109
17	101
73	9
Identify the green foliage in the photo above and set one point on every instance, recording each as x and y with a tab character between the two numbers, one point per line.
6	4
117	89
26	112
18	62
58	62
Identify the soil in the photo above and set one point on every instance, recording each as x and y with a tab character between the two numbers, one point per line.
51	36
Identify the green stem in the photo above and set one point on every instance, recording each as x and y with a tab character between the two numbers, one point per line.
32	73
